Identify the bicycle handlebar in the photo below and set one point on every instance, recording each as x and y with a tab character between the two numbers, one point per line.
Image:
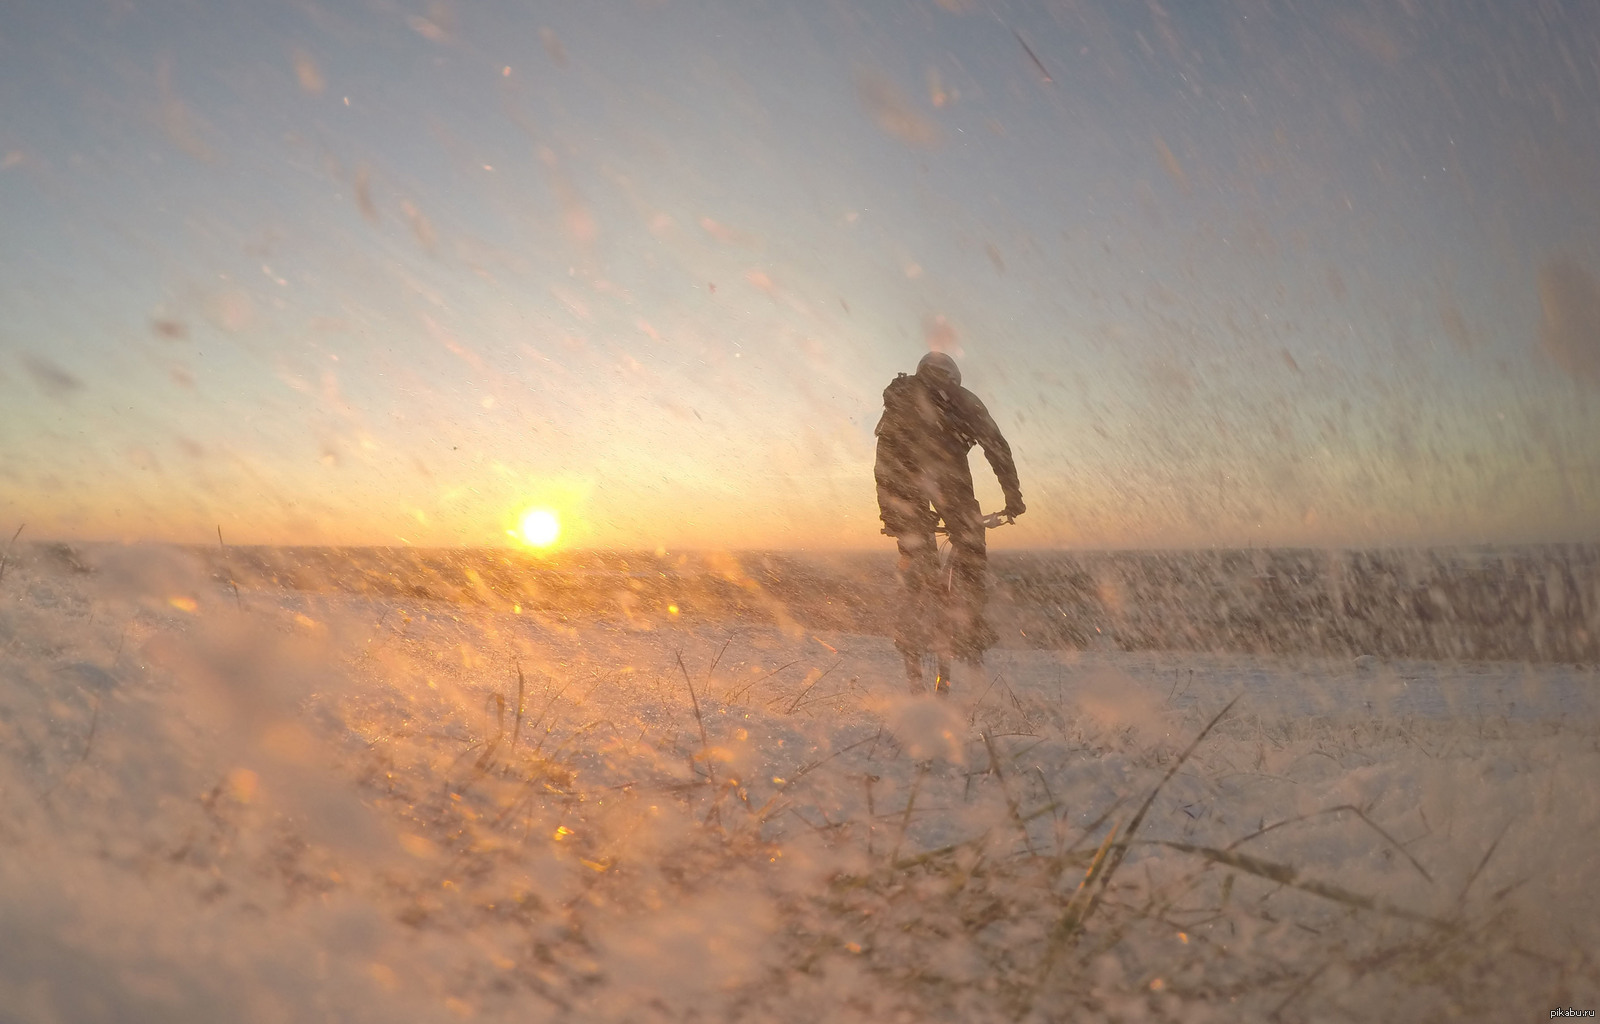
990	521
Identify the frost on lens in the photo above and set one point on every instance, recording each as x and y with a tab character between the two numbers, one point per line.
446	449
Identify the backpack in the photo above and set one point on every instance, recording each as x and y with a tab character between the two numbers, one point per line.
915	415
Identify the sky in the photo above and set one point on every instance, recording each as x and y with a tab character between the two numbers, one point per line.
1226	274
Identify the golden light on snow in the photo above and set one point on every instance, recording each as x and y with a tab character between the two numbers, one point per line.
539	527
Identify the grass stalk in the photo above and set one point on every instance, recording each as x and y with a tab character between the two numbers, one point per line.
694	701
741	691
94	722
234	586
715	661
516	728
1005	790
5	556
905	819
813	686
1289	876
1358	812
545	711
705	744
487	757
1483	862
1086	900
765	811
1294	993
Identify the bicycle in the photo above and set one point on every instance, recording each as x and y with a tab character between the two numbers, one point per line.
935	659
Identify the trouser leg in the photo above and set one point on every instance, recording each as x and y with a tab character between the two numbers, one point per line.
918	571
970	597
970	632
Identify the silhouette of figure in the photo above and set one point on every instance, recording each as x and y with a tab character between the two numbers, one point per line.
930	422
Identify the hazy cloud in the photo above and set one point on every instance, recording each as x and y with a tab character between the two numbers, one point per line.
1570	329
553	47
308	74
169	328
940	335
893	112
182	127
421	226
52	379
1455	324
1173	167
1369	37
363	193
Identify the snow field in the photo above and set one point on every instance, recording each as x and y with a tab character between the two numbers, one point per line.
273	805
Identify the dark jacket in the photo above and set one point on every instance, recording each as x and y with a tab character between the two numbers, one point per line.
923	440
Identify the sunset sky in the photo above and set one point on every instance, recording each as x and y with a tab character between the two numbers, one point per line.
394	272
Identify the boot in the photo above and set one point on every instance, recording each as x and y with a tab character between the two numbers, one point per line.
914	675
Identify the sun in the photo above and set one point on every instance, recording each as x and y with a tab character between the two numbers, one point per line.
540	527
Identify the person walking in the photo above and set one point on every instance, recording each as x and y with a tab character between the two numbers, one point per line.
929	425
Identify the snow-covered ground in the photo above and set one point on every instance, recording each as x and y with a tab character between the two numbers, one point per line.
272	805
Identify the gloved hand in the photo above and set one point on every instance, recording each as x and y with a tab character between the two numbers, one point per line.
1015	508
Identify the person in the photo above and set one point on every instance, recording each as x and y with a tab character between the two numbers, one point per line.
929	425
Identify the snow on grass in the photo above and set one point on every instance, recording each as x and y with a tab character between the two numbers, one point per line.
290	806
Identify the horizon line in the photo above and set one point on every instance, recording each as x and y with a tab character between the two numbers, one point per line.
882	550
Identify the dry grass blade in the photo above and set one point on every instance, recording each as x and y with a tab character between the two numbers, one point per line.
905	819
1104	817
1482	863
1121	852
1078	909
819	698
1288	875
694	701
487	756
741	691
1107	860
94	723
765	810
545	711
1358	812
973	716
6	555
1294	993
1050	804
813	686
516	728
705	744
1005	790
1078	905
232	584
716	661
976	842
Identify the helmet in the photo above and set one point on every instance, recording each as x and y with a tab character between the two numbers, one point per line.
938	368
